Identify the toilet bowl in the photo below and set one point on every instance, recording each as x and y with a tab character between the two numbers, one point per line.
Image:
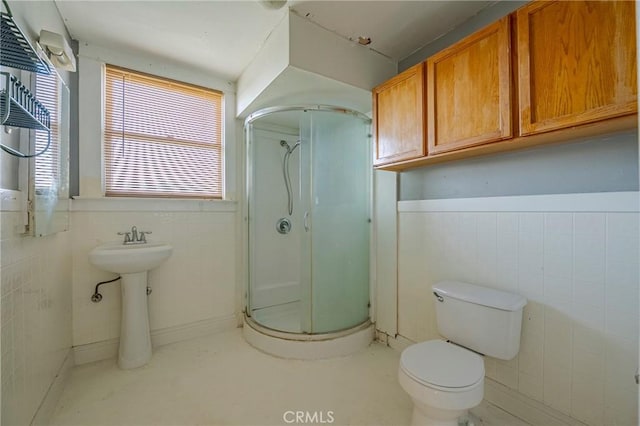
443	380
446	378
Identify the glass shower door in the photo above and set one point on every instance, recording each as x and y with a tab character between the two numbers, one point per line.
336	169
273	252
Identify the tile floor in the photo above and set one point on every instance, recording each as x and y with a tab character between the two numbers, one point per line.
221	380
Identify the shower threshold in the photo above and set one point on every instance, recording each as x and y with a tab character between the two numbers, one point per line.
308	346
284	317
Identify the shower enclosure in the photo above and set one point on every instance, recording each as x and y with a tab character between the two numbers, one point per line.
309	201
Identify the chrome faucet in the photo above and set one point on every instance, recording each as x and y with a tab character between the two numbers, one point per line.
133	237
143	238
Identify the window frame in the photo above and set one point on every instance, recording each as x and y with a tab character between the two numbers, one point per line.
162	80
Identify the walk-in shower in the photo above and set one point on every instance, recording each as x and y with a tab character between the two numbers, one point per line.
308	217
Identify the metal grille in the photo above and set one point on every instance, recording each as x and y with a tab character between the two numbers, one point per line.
19	108
16	51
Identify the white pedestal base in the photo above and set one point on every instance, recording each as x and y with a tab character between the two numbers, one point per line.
135	337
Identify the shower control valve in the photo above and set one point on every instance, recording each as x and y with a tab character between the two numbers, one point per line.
283	225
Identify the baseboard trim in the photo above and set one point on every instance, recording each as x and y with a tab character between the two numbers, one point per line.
106	349
529	410
192	330
51	398
397	342
97	351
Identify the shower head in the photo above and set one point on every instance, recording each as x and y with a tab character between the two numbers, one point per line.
289	149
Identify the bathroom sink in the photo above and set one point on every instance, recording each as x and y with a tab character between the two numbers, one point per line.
132	262
129	258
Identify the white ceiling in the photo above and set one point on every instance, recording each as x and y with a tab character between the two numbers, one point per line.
223	37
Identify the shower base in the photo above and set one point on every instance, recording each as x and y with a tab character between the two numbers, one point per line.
308	346
285	317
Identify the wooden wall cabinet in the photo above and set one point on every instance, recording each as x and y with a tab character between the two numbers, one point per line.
550	72
576	63
469	99
398	117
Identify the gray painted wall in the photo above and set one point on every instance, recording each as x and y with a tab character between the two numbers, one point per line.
596	165
482	19
602	164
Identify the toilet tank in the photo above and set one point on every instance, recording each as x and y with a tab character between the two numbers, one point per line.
482	319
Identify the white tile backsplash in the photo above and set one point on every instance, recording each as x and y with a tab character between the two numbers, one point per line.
620	402
507	372
590	247
579	270
487	248
558	289
557	388
531	385
587	401
589	294
588	316
558	343
507	251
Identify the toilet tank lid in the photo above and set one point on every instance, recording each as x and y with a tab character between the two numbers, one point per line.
480	295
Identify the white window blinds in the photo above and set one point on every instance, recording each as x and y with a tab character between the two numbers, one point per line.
162	138
47	165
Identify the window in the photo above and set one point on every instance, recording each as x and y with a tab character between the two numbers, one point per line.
47	165
162	138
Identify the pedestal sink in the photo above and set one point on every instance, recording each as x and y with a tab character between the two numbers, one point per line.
132	262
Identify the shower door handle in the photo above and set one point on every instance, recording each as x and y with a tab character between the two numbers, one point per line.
306	221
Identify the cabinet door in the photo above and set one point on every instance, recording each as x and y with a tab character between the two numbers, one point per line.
469	91
398	117
576	63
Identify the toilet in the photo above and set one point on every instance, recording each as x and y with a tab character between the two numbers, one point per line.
446	378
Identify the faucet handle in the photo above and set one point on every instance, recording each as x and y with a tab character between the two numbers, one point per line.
127	236
143	236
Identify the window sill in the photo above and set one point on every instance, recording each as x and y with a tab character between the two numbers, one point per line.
123	204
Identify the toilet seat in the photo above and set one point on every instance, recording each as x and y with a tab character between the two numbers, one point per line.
443	366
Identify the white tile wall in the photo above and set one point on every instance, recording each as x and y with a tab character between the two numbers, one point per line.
579	271
35	328
196	283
